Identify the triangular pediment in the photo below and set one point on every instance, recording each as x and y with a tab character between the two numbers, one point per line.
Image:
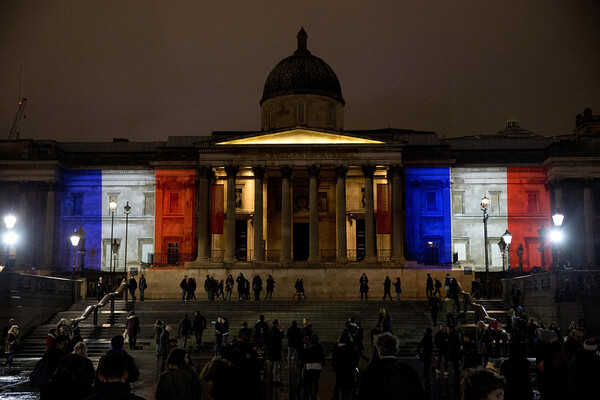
299	137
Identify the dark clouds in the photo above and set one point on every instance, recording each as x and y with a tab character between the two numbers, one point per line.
93	70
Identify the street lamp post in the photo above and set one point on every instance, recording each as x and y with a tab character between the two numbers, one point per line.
556	234
127	210
507	239
10	237
75	242
113	206
485	202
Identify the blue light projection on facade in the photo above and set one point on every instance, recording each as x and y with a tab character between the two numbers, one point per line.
428	217
81	208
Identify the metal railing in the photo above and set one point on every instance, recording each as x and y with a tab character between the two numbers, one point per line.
176	259
272	255
94	307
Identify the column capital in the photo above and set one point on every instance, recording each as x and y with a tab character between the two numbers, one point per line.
259	171
286	171
231	170
368	170
314	170
341	171
205	171
394	170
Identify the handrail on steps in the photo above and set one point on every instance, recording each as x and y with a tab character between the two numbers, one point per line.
89	309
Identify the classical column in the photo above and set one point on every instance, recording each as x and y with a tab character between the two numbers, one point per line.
231	171
49	225
340	212
395	176
588	214
205	174
286	214
313	202
259	249
368	171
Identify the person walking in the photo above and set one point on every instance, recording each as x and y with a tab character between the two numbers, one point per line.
454	344
273	353
484	343
447	282
434	306
398	287
387	287
199	325
270	287
364	287
229	282
425	353
429	286
438	287
180	380
142	286
344	360
132	286
185	330
257	285
132	327
183	286
100	289
158	329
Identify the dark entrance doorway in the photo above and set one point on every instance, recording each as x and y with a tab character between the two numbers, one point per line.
360	239
241	240
301	246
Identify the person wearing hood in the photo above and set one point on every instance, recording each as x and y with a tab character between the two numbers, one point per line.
314	359
133	328
344	359
179	381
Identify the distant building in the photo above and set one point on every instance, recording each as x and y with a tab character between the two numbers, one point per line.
303	190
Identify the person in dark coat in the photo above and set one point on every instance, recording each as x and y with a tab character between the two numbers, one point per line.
164	347
185	330
260	329
364	287
179	381
270	287
438	287
387	287
274	353
132	286
294	342
425	352
344	359
314	359
142	286
112	379
441	343
516	371
183	286
240	280
454	292
257	286
133	328
245	333
49	362
434	306
429	286
191	289
73	378
218	336
116	343
208	288
100	289
454	343
199	325
387	377
398	288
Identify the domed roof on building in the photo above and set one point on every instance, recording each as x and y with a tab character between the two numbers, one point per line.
302	73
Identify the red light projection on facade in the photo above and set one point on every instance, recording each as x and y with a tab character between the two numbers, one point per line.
174	219
528	210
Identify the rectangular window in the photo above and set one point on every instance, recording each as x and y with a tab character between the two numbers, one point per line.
432	255
458	203
495	203
460	248
149	204
173	253
496	254
77	204
431	202
532	203
173	203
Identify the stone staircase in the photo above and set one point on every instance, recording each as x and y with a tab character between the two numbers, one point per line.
409	320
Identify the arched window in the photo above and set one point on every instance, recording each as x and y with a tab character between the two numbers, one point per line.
272	117
301	117
331	116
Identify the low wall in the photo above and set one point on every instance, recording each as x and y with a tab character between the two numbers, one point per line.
545	296
32	299
319	283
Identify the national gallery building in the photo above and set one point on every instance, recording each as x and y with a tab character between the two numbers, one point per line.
302	196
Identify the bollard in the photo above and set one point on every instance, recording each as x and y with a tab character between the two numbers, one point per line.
95	316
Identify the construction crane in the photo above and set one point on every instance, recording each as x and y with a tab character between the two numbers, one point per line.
14	132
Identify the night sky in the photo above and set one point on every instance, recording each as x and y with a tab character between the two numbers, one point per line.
144	70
